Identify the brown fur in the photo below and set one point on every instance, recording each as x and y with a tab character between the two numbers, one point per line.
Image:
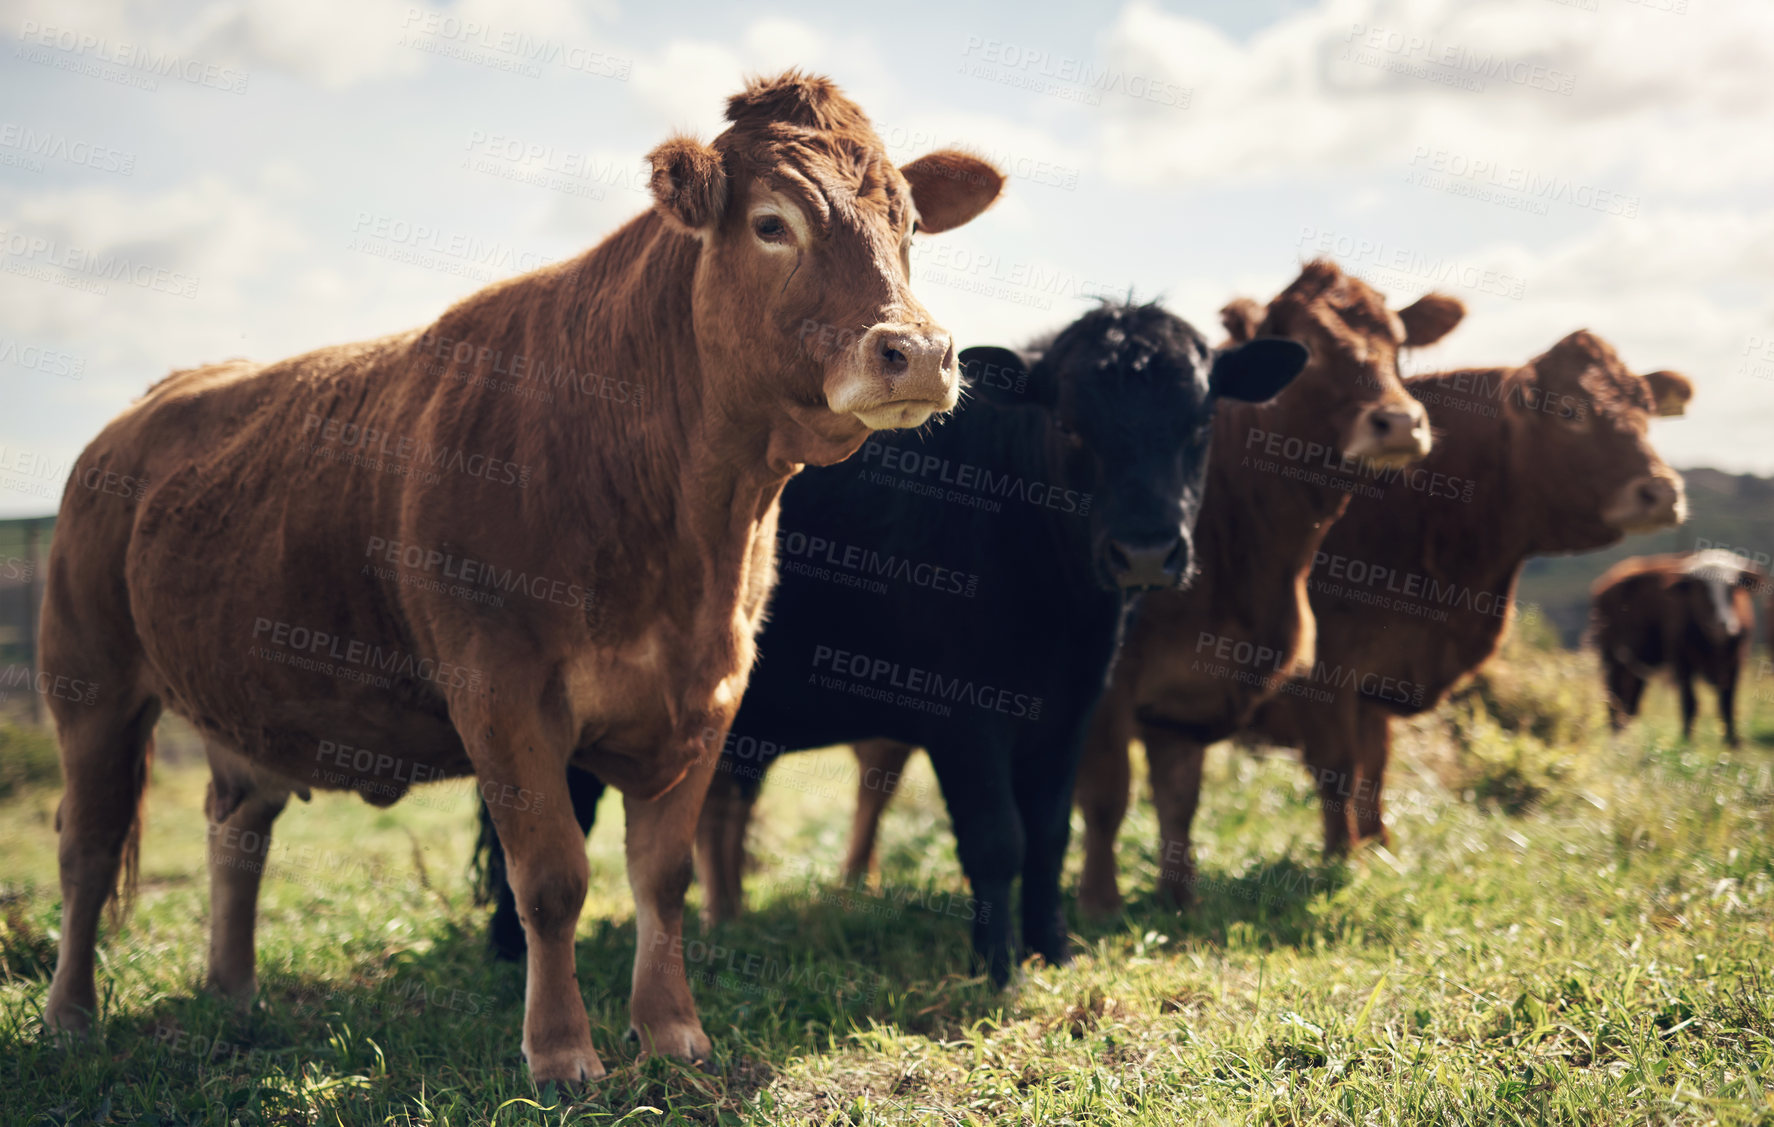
1652	612
208	591
1528	461
1257	534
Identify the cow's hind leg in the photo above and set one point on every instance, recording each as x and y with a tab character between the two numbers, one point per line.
1373	748
1684	678
105	750
720	839
1174	763
879	766
1104	777
241	808
661	837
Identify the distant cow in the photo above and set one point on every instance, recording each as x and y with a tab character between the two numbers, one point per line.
963	590
1693	613
539	531
1197	663
1414	588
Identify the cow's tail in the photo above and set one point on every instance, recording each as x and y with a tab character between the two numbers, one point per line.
487	865
123	895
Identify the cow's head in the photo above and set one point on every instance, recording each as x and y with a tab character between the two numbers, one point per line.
1578	447
1127	394
1713	591
802	297
1351	386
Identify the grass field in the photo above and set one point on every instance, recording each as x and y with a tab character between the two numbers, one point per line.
1571	927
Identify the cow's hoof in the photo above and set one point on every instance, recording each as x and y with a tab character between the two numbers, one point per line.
575	1064
236	992
65	1019
683	1040
1181	897
1099	905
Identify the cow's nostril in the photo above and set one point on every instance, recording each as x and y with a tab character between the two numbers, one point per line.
1647	494
894	359
1382	425
1118	557
1174	561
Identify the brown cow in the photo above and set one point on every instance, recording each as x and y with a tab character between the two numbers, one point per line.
314	560
1413	589
1693	612
1278	474
1196	663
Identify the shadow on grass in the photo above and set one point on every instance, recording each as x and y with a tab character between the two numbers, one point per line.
1269	904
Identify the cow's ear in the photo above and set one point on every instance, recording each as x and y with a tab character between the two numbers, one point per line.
950	187
1671	390
1003	376
689	184
1241	318
1430	318
1256	371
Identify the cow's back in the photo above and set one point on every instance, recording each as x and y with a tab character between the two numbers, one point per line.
238	515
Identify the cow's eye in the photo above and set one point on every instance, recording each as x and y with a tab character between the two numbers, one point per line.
1067	434
770	229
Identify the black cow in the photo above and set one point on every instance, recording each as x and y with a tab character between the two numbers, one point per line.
963	589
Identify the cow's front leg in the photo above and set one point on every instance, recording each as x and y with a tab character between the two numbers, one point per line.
976	787
520	762
661	833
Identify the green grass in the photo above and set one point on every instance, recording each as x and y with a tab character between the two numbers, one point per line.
1571	927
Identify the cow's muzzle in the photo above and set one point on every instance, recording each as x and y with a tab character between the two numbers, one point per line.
896	376
1158	564
1391	434
1648	503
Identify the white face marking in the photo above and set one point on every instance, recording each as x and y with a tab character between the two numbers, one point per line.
781	207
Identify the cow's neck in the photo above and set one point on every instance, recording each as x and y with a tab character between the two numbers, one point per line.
1259	527
1482	543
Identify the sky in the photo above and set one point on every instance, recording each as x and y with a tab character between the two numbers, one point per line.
181	183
